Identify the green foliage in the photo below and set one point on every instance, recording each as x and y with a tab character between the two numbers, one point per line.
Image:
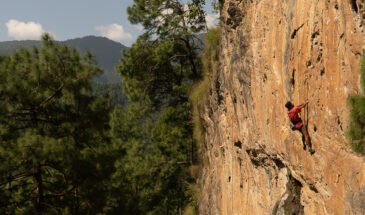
114	91
217	5
198	98
156	70
362	70
51	126
106	53
154	132
200	91
168	18
211	49
356	130
194	191
62	149
153	151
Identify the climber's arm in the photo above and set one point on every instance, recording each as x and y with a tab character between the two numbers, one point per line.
304	104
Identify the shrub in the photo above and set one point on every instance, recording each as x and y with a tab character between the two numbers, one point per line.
200	91
356	130
198	98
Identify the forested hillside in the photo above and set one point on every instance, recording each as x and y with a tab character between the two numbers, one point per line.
107	53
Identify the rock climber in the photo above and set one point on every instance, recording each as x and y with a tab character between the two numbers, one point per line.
294	116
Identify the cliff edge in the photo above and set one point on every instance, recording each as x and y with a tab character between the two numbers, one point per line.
273	51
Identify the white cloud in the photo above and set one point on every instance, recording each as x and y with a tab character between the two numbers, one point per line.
24	30
114	32
212	19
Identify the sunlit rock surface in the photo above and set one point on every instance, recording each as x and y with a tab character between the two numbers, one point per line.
273	51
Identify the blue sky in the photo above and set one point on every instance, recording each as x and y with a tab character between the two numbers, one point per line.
67	19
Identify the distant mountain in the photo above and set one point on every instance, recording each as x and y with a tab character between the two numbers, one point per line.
107	52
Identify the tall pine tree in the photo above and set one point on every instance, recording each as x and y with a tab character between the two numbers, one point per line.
158	72
51	126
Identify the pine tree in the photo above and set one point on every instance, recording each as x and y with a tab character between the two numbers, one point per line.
51	125
154	134
175	21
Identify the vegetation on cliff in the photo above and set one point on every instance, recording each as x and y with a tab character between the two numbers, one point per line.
200	91
198	99
356	131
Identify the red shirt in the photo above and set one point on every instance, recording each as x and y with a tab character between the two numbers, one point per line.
295	117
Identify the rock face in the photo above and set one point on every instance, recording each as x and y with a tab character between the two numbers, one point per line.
273	51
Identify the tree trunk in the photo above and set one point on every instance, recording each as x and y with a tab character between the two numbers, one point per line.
191	58
38	188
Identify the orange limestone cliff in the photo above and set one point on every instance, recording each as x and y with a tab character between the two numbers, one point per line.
273	51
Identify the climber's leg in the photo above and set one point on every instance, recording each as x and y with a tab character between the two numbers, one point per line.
307	138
